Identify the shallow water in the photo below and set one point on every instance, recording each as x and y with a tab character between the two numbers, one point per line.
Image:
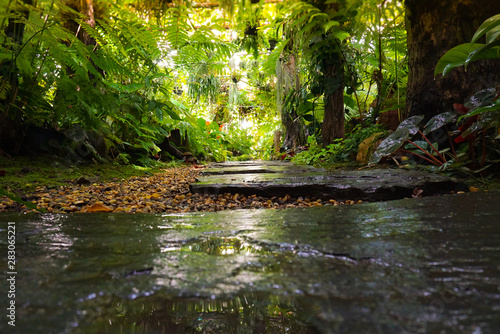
427	265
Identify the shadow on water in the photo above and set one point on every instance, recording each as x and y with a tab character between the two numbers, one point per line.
409	266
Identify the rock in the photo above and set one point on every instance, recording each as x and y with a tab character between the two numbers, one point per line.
189	158
366	185
86	180
368	146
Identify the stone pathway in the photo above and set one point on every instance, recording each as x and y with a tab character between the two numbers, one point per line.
278	178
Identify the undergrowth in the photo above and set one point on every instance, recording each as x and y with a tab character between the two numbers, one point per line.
341	151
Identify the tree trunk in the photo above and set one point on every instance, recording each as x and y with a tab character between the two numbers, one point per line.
88	11
333	121
85	7
294	135
434	27
294	127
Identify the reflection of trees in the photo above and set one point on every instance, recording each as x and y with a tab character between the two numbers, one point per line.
246	313
224	246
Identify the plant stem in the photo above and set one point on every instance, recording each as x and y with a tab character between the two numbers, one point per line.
430	155
421	156
443	160
451	142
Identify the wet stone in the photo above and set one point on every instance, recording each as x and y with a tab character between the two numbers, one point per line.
257	167
422	265
270	179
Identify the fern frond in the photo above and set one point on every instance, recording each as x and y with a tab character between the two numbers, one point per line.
4	88
177	28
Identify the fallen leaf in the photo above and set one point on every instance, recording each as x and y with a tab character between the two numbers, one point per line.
417	192
98	208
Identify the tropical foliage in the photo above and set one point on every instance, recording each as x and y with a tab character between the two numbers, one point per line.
118	78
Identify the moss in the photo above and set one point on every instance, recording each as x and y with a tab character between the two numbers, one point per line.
24	174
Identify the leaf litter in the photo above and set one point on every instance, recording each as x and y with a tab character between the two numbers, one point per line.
163	192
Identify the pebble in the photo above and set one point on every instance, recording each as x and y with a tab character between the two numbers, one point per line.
166	191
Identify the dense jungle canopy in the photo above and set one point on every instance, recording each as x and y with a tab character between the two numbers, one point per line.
131	81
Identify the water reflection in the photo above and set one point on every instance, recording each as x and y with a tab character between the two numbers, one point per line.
377	268
247	313
222	246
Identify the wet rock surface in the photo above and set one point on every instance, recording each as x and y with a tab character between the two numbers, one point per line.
257	167
422	265
281	178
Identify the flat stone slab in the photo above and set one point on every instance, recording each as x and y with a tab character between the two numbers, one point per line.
423	265
257	167
270	179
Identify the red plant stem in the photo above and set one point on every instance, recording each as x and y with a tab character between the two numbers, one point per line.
430	155
438	163
443	160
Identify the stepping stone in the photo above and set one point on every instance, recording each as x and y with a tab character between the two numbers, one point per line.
254	167
280	178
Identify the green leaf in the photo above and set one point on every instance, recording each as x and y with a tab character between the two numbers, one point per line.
411	124
349	101
495	106
341	35
390	144
308	117
201	123
488	25
422	143
305	107
438	121
490	50
159	114
170	112
218	133
130	88
13	197
455	58
330	24
493	35
179	105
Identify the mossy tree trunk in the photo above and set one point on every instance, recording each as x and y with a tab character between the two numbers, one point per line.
289	80
434	27
334	118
